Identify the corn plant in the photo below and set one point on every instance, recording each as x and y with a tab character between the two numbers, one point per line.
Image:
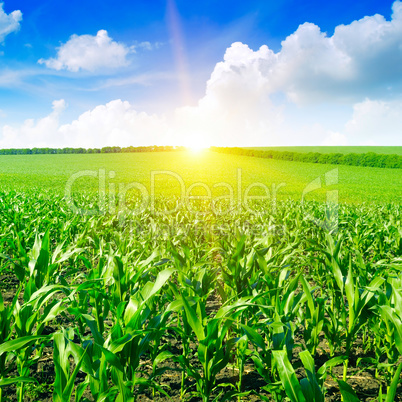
64	380
214	350
20	350
113	290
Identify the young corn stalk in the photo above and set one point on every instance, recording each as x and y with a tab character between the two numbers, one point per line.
214	349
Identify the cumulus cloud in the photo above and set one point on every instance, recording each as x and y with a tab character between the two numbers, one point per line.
236	108
119	123
90	53
359	59
244	102
9	22
375	122
115	123
41	133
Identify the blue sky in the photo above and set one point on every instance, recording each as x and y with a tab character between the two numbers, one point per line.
200	73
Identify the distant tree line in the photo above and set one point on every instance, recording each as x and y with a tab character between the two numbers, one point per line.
369	159
104	150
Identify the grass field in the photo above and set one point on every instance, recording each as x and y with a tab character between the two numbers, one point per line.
336	149
51	172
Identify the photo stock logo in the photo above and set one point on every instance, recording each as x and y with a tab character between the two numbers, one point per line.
331	221
199	197
167	193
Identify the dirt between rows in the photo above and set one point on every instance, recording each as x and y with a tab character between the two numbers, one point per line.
362	380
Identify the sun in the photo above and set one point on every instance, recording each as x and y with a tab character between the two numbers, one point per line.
197	148
196	145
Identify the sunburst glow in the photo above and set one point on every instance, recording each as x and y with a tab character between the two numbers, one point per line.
197	148
196	144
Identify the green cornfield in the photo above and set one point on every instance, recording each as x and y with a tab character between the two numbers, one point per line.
275	303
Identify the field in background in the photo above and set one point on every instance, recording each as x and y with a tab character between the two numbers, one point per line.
51	172
340	149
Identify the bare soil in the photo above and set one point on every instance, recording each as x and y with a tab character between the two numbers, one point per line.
362	380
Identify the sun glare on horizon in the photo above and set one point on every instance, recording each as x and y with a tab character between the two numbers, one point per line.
197	148
197	144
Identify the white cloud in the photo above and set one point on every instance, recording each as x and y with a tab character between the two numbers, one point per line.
119	123
146	45
244	103
59	106
116	123
236	108
42	133
358	60
375	122
335	139
9	22
91	53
